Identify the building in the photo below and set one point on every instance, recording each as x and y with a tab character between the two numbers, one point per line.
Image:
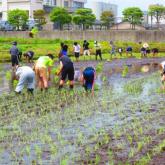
65	3
28	5
150	21
98	7
32	5
71	5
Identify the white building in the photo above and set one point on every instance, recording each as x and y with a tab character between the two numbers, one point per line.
98	7
31	5
65	3
28	5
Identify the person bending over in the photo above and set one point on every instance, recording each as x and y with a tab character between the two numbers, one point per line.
162	66
29	56
88	79
129	51
25	76
155	51
66	70
43	70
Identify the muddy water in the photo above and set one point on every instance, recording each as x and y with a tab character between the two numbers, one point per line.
110	69
90	125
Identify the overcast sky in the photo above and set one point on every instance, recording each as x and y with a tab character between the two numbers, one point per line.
143	4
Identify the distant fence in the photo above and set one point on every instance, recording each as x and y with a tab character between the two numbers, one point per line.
106	35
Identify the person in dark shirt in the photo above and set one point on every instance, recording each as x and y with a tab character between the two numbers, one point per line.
66	70
88	79
143	52
155	51
86	48
98	49
29	56
129	50
14	52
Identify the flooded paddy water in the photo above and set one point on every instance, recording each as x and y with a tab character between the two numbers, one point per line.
122	124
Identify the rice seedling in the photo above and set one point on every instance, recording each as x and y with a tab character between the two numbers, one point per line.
125	71
69	127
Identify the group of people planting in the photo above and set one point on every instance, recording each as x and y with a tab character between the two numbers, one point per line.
86	49
41	70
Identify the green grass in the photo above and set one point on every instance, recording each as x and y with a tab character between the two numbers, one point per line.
44	46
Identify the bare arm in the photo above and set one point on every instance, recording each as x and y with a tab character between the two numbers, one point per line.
82	80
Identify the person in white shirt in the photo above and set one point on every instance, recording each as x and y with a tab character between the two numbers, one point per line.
26	76
77	49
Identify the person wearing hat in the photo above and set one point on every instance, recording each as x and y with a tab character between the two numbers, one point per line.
42	69
98	49
25	76
14	52
66	71
145	50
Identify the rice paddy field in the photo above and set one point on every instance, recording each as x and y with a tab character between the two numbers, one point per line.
122	124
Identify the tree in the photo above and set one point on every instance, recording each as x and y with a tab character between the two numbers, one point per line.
157	11
107	17
18	18
133	15
39	15
60	16
84	17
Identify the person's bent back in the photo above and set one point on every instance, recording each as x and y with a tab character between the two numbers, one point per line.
26	76
43	64
88	78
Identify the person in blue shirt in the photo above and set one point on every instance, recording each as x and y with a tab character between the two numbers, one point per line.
88	78
64	49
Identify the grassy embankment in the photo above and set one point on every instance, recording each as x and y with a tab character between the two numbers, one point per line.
44	46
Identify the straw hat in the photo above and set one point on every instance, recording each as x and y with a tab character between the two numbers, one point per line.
145	45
